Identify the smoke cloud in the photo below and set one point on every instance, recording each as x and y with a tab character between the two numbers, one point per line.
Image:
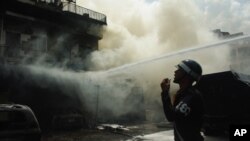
137	30
140	30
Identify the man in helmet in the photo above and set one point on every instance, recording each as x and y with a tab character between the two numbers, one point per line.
186	108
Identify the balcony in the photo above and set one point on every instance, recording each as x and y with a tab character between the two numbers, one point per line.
71	7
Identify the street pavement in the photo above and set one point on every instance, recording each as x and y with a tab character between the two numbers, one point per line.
168	136
142	132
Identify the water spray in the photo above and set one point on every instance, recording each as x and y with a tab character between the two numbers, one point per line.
168	55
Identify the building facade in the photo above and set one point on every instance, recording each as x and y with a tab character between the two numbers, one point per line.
51	31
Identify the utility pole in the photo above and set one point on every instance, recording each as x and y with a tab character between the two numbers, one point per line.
2	36
75	7
97	103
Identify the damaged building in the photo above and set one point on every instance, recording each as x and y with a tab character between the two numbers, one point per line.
56	32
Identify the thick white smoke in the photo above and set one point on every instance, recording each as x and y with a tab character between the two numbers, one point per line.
138	29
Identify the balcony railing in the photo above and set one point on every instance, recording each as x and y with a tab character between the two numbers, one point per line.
71	7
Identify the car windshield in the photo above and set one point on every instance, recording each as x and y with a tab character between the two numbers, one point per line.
11	120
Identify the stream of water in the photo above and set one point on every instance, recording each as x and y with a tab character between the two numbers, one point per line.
214	46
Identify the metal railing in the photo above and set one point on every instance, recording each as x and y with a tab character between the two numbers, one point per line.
71	7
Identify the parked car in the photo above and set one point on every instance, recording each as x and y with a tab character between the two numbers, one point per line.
18	123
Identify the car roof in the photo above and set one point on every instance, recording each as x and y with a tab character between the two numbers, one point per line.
13	107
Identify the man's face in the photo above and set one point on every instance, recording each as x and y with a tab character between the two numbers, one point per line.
179	74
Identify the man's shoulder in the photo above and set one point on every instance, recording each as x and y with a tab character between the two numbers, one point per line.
194	93
194	90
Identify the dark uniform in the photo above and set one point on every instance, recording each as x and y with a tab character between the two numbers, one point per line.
186	113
